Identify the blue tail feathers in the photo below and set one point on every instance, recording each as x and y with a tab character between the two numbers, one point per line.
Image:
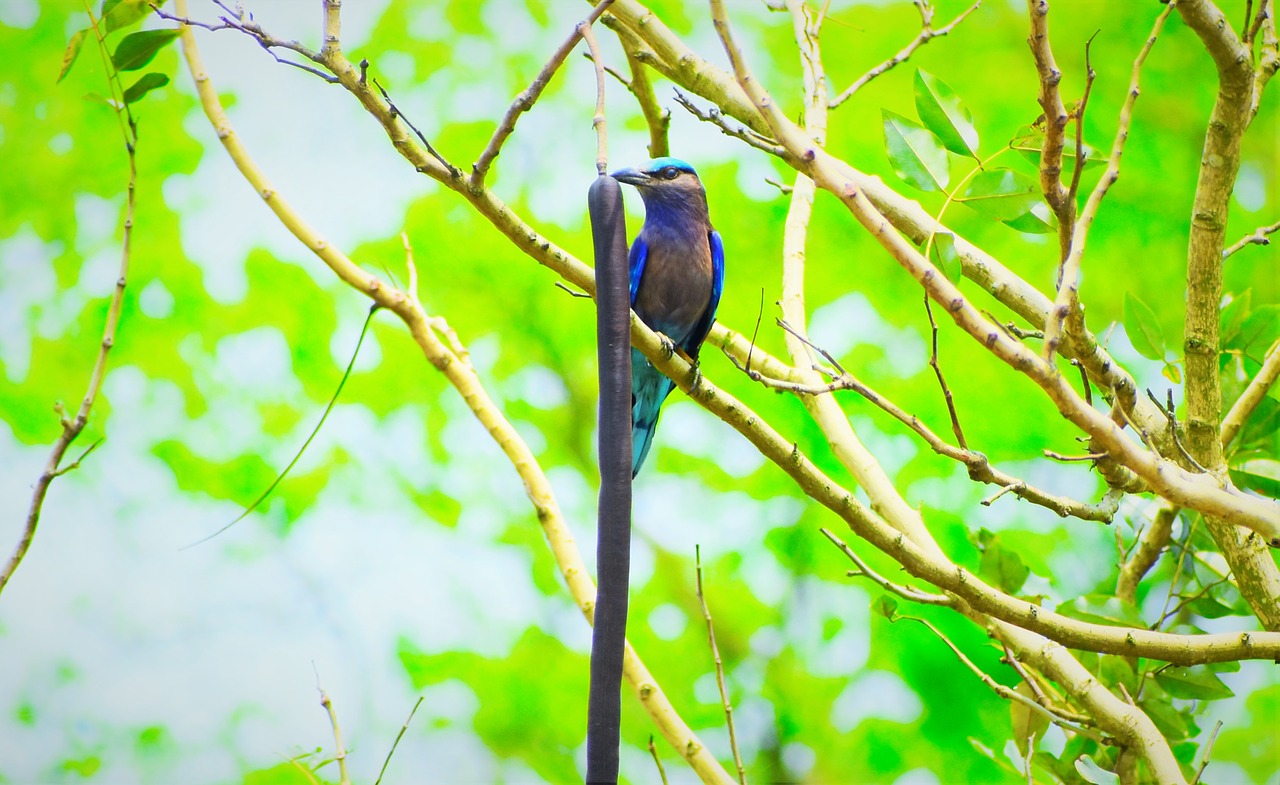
649	388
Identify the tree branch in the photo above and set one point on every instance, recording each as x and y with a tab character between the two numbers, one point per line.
926	34
73	427
463	377
526	99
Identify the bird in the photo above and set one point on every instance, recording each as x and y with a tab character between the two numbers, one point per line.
676	269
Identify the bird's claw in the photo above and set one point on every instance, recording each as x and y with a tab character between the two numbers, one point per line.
695	375
668	346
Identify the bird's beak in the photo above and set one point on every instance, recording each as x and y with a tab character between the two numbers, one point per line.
631	176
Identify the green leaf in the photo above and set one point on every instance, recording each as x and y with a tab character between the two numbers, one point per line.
1258	474
916	154
1102	609
1172	372
942	252
99	98
1030	141
1262	424
1003	567
1038	220
138	49
1002	194
1093	773
1198	683
886	606
943	113
122	13
1143	328
1257	331
144	85
72	52
1175	724
1232	316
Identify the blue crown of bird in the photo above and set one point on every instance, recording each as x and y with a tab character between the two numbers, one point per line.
677	275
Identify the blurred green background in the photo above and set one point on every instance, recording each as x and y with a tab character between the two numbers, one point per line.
400	558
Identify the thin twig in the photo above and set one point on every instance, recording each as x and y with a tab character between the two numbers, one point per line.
340	755
715	655
1011	694
396	743
657	761
268	42
906	592
1252	395
1090	75
598	120
977	464
1256	237
572	292
72	428
1057	456
657	118
1177	574
1208	749
395	112
1085	386
942	382
1171	416
927	34
1066	301
740	132
527	98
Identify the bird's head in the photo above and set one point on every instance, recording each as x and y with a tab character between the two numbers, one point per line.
663	179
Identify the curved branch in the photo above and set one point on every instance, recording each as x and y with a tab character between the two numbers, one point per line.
465	380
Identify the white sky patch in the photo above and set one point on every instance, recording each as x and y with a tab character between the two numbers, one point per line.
155	300
1251	188
694	431
852	320
21	14
26	267
875	694
538	386
668	622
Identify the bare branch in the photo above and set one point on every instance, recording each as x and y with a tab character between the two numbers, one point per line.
526	99
1010	694
906	592
927	34
1066	304
72	428
657	118
404	727
1152	542
340	751
1252	395
743	133
1208	750
715	656
1257	237
942	382
598	121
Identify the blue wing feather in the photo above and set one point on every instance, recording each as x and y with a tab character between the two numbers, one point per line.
639	254
700	330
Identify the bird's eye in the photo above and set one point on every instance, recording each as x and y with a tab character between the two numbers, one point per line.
671	173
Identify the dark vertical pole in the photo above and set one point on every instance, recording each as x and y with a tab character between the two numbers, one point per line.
613	543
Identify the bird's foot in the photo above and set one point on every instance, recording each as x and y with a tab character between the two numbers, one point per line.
668	346
695	375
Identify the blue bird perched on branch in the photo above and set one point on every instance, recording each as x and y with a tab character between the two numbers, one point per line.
677	274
